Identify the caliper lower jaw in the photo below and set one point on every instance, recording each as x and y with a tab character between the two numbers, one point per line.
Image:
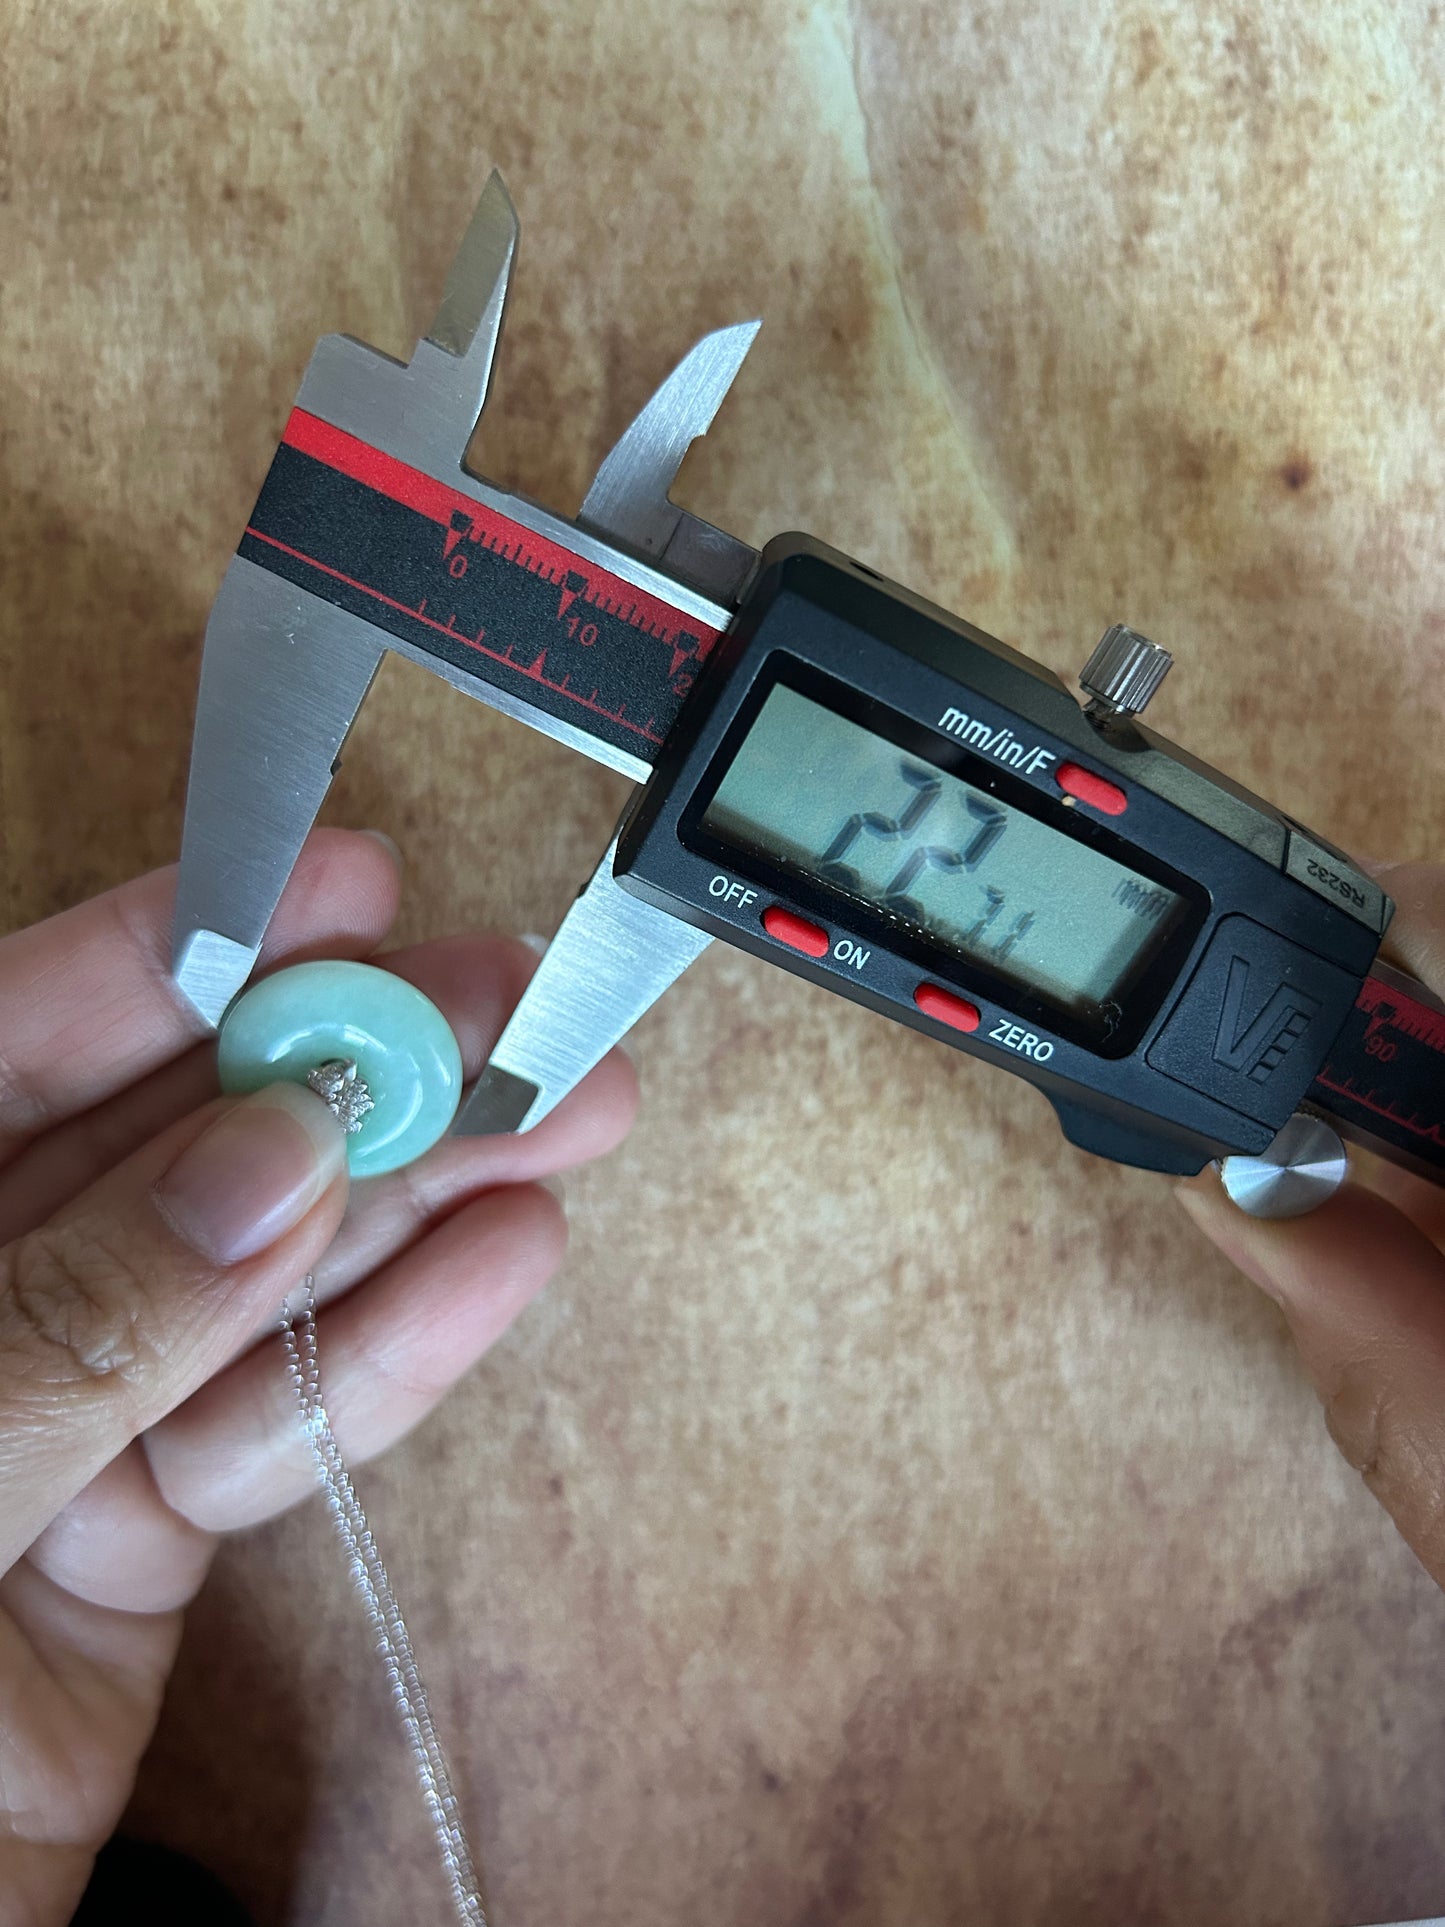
612	959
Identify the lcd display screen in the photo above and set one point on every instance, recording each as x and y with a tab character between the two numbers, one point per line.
826	798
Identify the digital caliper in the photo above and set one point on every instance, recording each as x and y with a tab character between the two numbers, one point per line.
835	775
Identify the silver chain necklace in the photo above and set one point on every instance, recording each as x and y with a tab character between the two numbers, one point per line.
393	1642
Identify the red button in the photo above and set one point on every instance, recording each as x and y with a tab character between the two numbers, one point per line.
1096	791
945	1008
796	932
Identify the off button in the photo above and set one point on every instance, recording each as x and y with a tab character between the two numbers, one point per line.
785	926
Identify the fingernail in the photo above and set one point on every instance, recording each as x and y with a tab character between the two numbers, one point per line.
254	1174
388	844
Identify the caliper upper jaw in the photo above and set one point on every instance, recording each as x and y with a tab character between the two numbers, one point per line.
460	349
425	411
629	501
612	959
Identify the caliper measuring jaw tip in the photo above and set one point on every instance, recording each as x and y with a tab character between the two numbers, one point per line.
371	534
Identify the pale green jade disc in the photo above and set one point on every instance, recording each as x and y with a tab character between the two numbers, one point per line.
287	1026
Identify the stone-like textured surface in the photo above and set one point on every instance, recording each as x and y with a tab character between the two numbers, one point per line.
891	1515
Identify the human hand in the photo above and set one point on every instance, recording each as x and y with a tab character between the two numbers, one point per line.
149	1233
1362	1282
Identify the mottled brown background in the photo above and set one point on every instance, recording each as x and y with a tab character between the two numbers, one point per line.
891	1515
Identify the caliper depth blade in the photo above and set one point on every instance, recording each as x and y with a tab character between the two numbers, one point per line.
1383	1083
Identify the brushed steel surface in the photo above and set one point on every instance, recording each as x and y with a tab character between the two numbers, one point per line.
469	317
284	673
366	393
452	367
608	964
629	495
282	678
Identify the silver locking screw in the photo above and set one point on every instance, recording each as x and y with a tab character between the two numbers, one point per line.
1123	672
1297	1172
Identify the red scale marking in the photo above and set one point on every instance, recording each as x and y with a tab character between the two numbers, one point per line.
514	543
1415	1020
1426	1026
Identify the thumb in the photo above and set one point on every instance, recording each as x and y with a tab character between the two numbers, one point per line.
1363	1289
128	1299
1417	933
1362	1285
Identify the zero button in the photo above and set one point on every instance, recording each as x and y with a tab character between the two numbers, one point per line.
944	1008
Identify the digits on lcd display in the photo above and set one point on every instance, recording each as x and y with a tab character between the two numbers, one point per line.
831	801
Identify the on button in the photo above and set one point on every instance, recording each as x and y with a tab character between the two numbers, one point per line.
795	931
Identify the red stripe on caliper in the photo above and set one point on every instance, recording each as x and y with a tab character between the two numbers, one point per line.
516	543
1405	1013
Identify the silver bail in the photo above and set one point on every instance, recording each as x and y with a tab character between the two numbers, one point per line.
345	1094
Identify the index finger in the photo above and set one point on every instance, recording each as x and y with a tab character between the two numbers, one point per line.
87	1003
1417	931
